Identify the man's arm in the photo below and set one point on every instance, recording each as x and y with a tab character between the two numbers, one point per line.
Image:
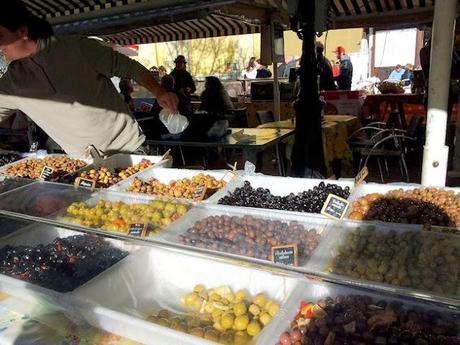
191	83
109	63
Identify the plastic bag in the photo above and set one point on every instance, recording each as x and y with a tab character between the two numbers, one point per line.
174	122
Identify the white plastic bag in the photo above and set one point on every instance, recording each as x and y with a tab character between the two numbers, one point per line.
174	122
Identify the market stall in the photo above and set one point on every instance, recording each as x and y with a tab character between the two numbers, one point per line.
243	239
171	256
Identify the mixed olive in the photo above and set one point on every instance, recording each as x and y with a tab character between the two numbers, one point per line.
250	236
182	188
220	315
105	178
361	320
311	201
32	168
117	216
428	206
412	259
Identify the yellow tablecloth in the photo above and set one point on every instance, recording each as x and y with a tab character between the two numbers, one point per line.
336	130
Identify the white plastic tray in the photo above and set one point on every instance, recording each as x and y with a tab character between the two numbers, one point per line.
336	237
277	185
165	175
312	291
43	234
129	198
368	188
121	160
180	227
156	278
41	156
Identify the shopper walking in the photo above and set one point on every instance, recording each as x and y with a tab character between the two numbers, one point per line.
63	84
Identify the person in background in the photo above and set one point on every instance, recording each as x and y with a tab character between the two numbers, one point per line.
250	72
397	73
63	84
262	71
326	79
346	69
184	107
408	73
183	81
163	71
126	89
215	98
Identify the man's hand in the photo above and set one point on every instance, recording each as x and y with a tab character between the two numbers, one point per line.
168	100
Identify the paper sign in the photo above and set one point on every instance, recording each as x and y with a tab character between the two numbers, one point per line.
228	176
335	207
166	155
34	147
85	182
137	229
361	176
200	192
46	173
286	255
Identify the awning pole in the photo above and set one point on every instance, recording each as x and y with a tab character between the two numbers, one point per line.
435	152
276	85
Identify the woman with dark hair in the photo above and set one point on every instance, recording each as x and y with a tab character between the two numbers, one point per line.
63	84
214	98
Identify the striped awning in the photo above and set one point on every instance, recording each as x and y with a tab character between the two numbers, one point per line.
148	21
213	25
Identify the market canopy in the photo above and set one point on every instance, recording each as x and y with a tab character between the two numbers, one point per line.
150	21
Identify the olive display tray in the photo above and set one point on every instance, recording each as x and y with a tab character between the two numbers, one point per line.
309	290
369	188
279	186
119	300
336	238
180	227
129	198
35	234
40	156
122	161
165	175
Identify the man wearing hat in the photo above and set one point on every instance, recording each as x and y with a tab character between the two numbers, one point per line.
346	69
183	81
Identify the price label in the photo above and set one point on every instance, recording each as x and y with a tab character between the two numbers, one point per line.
200	192
34	147
335	207
137	229
361	176
85	182
166	155
286	255
46	173
228	176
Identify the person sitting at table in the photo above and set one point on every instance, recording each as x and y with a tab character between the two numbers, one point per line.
126	89
397	73
214	98
408	73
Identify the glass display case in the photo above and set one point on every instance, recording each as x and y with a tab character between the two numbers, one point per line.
167	270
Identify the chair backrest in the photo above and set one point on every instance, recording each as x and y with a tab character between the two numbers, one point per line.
237	118
264	116
414	125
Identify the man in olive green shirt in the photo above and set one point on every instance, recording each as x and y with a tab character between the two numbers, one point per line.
63	84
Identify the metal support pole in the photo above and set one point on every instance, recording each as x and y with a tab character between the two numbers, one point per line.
276	85
435	152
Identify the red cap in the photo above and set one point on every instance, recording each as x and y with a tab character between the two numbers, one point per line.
340	50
